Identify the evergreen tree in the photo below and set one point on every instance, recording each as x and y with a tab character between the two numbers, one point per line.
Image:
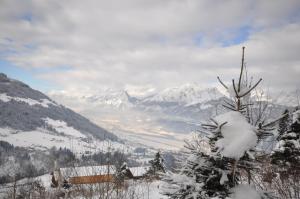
121	174
201	176
283	124
213	172
156	166
287	151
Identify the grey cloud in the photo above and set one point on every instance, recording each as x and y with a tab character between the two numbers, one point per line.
134	42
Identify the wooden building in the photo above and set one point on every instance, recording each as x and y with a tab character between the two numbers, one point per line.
88	174
96	174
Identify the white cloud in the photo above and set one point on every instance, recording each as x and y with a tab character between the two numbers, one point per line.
151	43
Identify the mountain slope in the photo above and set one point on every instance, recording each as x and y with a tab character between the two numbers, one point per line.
26	114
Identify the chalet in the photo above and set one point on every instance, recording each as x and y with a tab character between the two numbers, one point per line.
88	174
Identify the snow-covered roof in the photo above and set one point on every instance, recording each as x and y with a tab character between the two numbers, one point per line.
138	171
88	170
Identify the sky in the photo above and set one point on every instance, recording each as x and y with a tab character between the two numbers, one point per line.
75	46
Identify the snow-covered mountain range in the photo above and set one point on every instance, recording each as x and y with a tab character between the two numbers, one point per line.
162	119
187	94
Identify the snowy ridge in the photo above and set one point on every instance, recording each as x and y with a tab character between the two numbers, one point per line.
187	94
42	102
118	99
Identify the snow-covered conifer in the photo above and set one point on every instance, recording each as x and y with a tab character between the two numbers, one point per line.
287	151
121	173
215	172
284	123
156	165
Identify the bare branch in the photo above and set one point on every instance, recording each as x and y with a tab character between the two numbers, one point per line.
236	93
209	125
229	104
223	124
242	68
246	93
222	82
214	121
228	107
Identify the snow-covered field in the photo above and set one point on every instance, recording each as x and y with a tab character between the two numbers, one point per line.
62	127
133	189
44	139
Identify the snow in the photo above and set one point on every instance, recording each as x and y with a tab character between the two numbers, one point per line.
43	102
188	94
44	139
62	127
238	135
88	170
224	178
245	192
138	171
98	170
296	116
136	188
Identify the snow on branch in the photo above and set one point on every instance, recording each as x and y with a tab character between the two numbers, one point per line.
238	135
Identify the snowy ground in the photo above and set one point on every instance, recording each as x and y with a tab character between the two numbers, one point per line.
139	189
44	139
43	102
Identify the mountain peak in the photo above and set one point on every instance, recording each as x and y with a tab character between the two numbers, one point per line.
186	94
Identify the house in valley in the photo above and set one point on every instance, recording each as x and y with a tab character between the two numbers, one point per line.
88	174
94	174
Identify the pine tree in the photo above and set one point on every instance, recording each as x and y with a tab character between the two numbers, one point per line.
156	166
287	151
121	174
202	176
213	173
283	124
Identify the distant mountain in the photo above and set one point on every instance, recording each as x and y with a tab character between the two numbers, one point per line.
188	94
162	119
30	118
291	98
109	97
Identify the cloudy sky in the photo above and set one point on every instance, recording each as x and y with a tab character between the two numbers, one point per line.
82	46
